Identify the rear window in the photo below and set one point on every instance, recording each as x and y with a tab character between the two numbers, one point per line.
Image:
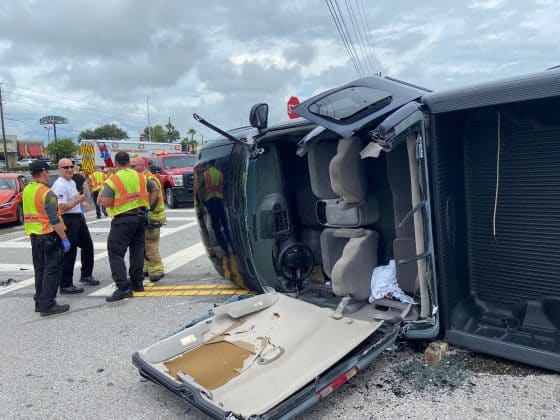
350	103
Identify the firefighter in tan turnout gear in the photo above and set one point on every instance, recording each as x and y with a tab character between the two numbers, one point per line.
153	265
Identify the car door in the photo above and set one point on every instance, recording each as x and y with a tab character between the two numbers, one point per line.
354	106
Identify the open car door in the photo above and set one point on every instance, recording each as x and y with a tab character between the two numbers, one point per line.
266	356
352	107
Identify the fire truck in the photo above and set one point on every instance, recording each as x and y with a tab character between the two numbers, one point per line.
102	152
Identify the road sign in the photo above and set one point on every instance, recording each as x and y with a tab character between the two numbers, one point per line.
292	102
53	119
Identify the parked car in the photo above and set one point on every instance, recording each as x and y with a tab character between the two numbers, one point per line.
450	197
24	162
11	189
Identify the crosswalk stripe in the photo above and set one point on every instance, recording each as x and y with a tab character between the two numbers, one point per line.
170	263
97	256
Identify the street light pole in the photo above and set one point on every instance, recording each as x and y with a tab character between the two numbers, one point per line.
149	125
48	134
3	131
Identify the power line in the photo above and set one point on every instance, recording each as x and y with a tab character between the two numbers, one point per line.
369	38
342	36
349	38
359	37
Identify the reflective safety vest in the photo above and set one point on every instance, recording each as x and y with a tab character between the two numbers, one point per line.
213	184
34	215
97	179
130	191
158	214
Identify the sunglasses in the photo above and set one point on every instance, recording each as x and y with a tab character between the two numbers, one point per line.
67	167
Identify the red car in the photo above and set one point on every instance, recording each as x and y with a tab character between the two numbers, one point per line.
11	189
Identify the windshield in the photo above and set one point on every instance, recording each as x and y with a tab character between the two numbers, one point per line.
7	184
179	162
347	103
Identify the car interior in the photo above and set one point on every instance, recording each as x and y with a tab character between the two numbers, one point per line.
347	212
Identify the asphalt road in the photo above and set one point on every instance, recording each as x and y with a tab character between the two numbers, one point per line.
77	365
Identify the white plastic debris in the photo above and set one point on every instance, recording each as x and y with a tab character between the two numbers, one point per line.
384	284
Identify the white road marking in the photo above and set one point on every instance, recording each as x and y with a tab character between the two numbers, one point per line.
15	267
170	263
98	256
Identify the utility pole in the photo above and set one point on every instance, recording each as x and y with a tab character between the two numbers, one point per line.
48	134
3	132
149	125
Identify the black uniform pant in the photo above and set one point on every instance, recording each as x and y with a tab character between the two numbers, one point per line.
98	208
79	237
47	254
127	233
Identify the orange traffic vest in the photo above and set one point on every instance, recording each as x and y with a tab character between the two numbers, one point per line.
34	215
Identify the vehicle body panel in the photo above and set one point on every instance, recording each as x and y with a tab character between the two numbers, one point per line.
11	193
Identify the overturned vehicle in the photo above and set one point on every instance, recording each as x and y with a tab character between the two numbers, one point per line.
454	194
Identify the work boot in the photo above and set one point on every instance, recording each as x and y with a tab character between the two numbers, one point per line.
156	277
99	216
119	294
89	280
138	287
55	309
70	290
37	307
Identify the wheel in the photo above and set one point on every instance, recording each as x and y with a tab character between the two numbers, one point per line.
19	215
170	199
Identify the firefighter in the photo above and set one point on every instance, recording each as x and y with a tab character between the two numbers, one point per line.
153	265
128	195
96	178
49	243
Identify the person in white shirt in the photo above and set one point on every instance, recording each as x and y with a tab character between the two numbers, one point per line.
77	230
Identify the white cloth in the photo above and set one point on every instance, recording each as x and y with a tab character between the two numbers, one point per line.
66	191
384	282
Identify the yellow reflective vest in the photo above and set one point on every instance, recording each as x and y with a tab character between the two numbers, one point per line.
158	214
35	217
130	191
97	179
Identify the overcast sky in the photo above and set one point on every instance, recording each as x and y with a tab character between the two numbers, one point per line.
95	62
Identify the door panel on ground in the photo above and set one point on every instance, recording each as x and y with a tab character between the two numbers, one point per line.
264	356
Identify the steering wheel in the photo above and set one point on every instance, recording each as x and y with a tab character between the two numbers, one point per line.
296	262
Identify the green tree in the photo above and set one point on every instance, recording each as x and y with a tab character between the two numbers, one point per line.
159	135
192	132
172	133
104	132
62	148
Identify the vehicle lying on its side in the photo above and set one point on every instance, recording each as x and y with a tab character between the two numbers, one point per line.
459	188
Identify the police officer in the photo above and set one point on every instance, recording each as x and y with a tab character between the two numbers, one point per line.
127	195
153	265
44	225
96	179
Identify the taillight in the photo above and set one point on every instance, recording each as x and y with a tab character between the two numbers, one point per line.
337	383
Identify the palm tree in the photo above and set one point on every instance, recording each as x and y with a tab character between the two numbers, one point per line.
192	132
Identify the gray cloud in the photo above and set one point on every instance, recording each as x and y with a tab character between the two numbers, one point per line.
219	58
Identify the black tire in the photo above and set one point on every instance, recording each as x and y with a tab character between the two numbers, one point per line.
170	199
19	215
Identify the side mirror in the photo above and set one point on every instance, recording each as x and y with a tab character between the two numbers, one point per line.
258	117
